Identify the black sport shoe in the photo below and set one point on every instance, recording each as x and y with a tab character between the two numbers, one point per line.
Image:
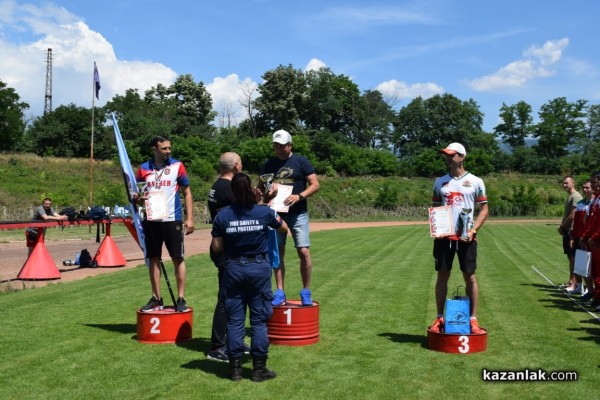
217	355
153	304
181	306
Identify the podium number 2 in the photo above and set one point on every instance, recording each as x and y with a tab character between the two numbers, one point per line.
288	312
464	341
156	322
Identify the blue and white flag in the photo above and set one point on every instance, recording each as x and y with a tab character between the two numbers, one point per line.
130	186
96	82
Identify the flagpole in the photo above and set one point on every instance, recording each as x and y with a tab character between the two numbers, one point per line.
92	139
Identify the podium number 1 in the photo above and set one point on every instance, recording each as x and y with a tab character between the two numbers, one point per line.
288	312
156	322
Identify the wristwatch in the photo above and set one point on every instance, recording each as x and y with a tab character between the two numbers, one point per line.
300	197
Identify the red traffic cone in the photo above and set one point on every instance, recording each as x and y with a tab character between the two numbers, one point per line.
108	254
39	264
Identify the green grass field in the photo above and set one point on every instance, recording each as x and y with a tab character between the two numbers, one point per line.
375	287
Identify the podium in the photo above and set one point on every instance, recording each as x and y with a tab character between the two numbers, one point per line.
293	324
164	326
456	342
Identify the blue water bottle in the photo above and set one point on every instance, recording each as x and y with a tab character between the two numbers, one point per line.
76	258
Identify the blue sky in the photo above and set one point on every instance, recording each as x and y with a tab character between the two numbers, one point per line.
490	51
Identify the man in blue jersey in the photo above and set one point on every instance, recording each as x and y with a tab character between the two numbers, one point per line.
463	192
164	178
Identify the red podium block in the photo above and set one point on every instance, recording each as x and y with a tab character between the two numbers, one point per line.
40	264
293	324
164	326
456	343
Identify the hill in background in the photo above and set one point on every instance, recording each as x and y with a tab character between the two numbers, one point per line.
26	179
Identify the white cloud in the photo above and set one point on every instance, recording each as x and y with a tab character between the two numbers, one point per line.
534	64
74	49
230	96
314	65
394	90
550	53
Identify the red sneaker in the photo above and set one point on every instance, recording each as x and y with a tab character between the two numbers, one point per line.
475	329
438	325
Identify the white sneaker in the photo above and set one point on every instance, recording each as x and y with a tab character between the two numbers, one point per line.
576	290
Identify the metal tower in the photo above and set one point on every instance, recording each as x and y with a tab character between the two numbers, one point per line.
48	97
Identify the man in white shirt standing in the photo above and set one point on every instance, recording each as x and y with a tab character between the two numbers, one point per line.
462	191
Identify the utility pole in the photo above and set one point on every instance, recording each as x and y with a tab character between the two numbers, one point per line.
48	96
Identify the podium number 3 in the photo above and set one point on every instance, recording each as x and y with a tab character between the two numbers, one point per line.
156	322
464	347
288	312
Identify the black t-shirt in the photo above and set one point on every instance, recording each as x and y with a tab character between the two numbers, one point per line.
219	196
292	171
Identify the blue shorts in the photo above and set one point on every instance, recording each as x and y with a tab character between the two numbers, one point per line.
298	225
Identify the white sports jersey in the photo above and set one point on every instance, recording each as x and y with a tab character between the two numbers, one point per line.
168	179
459	193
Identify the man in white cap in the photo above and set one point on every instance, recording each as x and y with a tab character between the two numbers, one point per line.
462	191
298	173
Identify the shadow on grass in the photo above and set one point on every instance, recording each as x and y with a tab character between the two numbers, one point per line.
593	332
547	288
405	338
200	345
557	297
119	328
217	368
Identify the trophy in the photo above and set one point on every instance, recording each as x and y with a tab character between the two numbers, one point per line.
267	179
465	223
141	187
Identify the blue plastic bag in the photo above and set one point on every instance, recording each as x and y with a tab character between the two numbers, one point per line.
273	248
457	317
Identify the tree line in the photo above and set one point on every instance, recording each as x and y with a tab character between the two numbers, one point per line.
343	130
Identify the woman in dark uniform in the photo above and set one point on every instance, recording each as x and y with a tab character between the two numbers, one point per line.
241	232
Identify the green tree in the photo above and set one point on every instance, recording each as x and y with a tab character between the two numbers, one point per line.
138	122
12	122
590	146
63	132
331	102
375	121
561	125
186	105
516	124
281	101
435	122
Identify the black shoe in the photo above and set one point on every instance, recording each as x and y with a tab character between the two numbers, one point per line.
586	297
235	366
153	304
591	303
181	306
260	372
217	355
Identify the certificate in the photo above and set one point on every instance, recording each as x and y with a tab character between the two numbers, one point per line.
156	206
440	221
283	192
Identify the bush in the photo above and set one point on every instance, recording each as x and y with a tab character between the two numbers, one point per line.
387	198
